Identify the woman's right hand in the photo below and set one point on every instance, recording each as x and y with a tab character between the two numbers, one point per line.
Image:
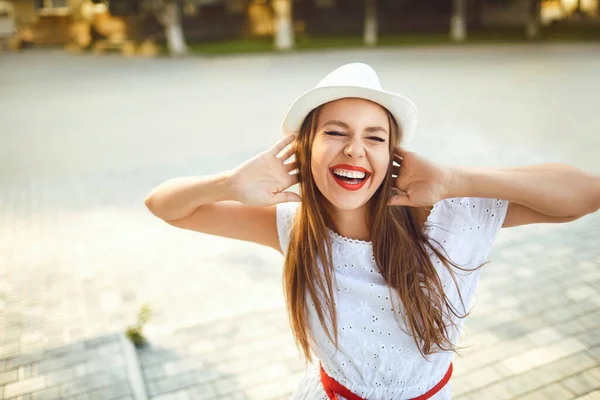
262	180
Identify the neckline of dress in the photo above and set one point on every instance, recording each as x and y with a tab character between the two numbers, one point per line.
344	239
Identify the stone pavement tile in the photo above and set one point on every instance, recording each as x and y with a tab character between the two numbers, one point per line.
233	367
568	312
542	355
152	372
171	383
243	350
10	349
485	376
581	292
23	397
294	364
281	352
525	383
460	386
72	370
496	391
51	393
270	373
571	328
181	395
151	356
281	388
204	391
464	397
234	396
595	352
584	382
100	341
114	391
590	338
115	362
543	336
25	358
240	366
590	320
595	395
60	376
174	367
531	381
23	387
206	375
53	363
8	376
551	392
227	385
90	383
480	355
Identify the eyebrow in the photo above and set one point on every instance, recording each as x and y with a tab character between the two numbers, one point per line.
370	129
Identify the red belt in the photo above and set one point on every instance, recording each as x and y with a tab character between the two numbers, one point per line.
333	388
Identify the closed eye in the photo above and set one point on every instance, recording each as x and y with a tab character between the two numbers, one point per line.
333	133
377	138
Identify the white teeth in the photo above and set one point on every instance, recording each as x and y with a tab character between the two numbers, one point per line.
350	174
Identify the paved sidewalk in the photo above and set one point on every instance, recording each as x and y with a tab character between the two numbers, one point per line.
85	138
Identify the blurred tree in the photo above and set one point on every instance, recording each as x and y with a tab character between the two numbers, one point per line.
370	33
532	29
284	32
168	12
458	22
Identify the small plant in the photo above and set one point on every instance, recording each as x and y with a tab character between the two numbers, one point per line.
135	332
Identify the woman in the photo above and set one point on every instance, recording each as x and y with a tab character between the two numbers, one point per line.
383	247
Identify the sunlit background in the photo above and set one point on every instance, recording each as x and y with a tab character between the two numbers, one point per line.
100	102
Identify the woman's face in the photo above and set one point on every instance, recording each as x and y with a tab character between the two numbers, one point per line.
350	151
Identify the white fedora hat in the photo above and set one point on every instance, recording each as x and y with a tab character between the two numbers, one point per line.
352	80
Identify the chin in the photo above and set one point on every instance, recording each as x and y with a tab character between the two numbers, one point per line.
347	205
343	199
348	202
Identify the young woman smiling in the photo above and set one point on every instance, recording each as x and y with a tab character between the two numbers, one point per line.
382	247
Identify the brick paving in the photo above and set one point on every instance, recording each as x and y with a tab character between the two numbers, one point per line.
85	138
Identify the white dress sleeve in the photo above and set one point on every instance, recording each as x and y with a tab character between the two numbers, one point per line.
285	218
489	214
464	229
469	223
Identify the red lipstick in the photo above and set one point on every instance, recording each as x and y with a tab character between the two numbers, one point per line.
347	185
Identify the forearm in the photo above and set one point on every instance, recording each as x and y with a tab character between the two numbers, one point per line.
179	197
554	189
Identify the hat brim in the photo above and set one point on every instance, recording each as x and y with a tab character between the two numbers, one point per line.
403	109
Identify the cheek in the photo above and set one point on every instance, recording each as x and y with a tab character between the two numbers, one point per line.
320	156
381	162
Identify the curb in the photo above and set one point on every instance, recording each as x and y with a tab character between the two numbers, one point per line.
134	371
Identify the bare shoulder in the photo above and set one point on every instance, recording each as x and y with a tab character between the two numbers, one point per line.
234	220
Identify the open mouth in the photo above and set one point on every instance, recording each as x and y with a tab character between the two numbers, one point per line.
350	177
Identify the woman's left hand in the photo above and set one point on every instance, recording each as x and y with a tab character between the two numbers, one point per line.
421	182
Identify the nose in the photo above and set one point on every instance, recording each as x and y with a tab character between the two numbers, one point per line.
354	149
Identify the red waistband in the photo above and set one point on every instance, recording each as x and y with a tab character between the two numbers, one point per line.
333	387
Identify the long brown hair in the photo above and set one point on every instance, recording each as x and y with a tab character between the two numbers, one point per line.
400	250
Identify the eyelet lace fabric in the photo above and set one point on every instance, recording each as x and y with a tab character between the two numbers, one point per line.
377	358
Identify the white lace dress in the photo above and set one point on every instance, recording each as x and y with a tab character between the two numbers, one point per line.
378	361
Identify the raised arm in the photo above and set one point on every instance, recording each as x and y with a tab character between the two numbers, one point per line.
540	193
237	204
